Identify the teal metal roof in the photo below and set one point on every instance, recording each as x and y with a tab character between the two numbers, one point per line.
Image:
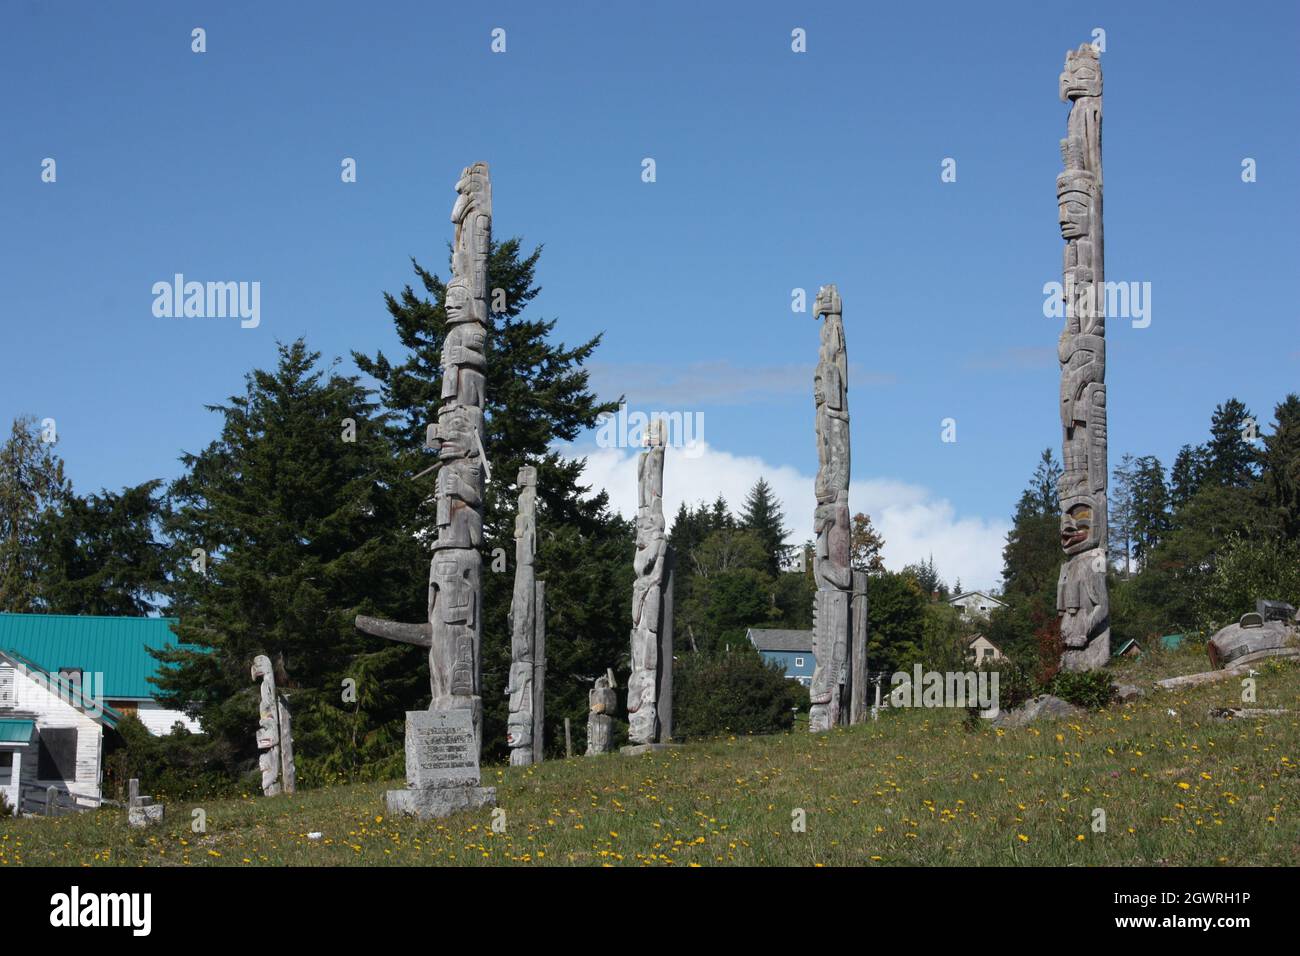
112	646
15	731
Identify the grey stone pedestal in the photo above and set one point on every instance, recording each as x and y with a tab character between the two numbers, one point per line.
433	803
442	772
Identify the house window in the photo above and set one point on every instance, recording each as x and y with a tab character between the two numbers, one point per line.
8	695
798	662
6	767
57	759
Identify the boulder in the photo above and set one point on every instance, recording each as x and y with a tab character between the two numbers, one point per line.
1043	707
1127	692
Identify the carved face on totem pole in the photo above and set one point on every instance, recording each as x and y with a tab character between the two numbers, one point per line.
1082	75
454	434
457	301
1080	525
262	667
470	190
1075	191
827	302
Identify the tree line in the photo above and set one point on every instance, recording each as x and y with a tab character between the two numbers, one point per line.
1191	547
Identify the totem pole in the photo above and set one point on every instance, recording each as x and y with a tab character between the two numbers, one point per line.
443	744
527	633
601	701
649	688
1081	598
274	736
834	637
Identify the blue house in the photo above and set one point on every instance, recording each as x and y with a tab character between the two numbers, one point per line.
790	650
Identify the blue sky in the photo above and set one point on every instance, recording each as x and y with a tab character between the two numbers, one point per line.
775	170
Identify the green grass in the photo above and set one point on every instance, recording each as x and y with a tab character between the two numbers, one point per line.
913	788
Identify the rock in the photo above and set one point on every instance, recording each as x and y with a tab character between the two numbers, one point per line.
1244	713
145	816
1127	692
1043	707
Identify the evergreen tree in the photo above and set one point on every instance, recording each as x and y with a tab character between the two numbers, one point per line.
101	554
537	395
1150	507
762	515
31	482
926	575
1186	476
1230	453
292	509
895	622
1032	558
1280	459
1031	563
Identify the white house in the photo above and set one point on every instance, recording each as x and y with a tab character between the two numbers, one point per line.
982	649
51	735
66	682
975	603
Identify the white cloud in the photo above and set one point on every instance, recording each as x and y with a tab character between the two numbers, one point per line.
713	383
913	520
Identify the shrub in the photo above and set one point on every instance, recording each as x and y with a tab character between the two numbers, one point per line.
733	693
178	766
1246	569
1016	684
1090	689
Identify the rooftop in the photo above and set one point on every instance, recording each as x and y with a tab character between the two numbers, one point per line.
774	639
116	647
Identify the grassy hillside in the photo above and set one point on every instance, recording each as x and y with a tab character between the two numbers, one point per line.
914	787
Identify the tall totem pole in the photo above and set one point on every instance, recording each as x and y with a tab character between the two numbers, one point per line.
443	744
1081	598
650	686
840	592
527	633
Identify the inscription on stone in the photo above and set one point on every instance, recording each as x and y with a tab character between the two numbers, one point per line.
441	749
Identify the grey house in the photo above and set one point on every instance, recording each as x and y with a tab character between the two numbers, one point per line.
791	650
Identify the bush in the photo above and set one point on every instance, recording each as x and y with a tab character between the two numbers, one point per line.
1090	689
5	809
178	766
733	693
1246	569
1016	685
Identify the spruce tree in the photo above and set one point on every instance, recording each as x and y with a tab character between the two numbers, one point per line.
762	515
101	554
1186	476
284	528
1230	454
537	395
1280	459
1150	507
